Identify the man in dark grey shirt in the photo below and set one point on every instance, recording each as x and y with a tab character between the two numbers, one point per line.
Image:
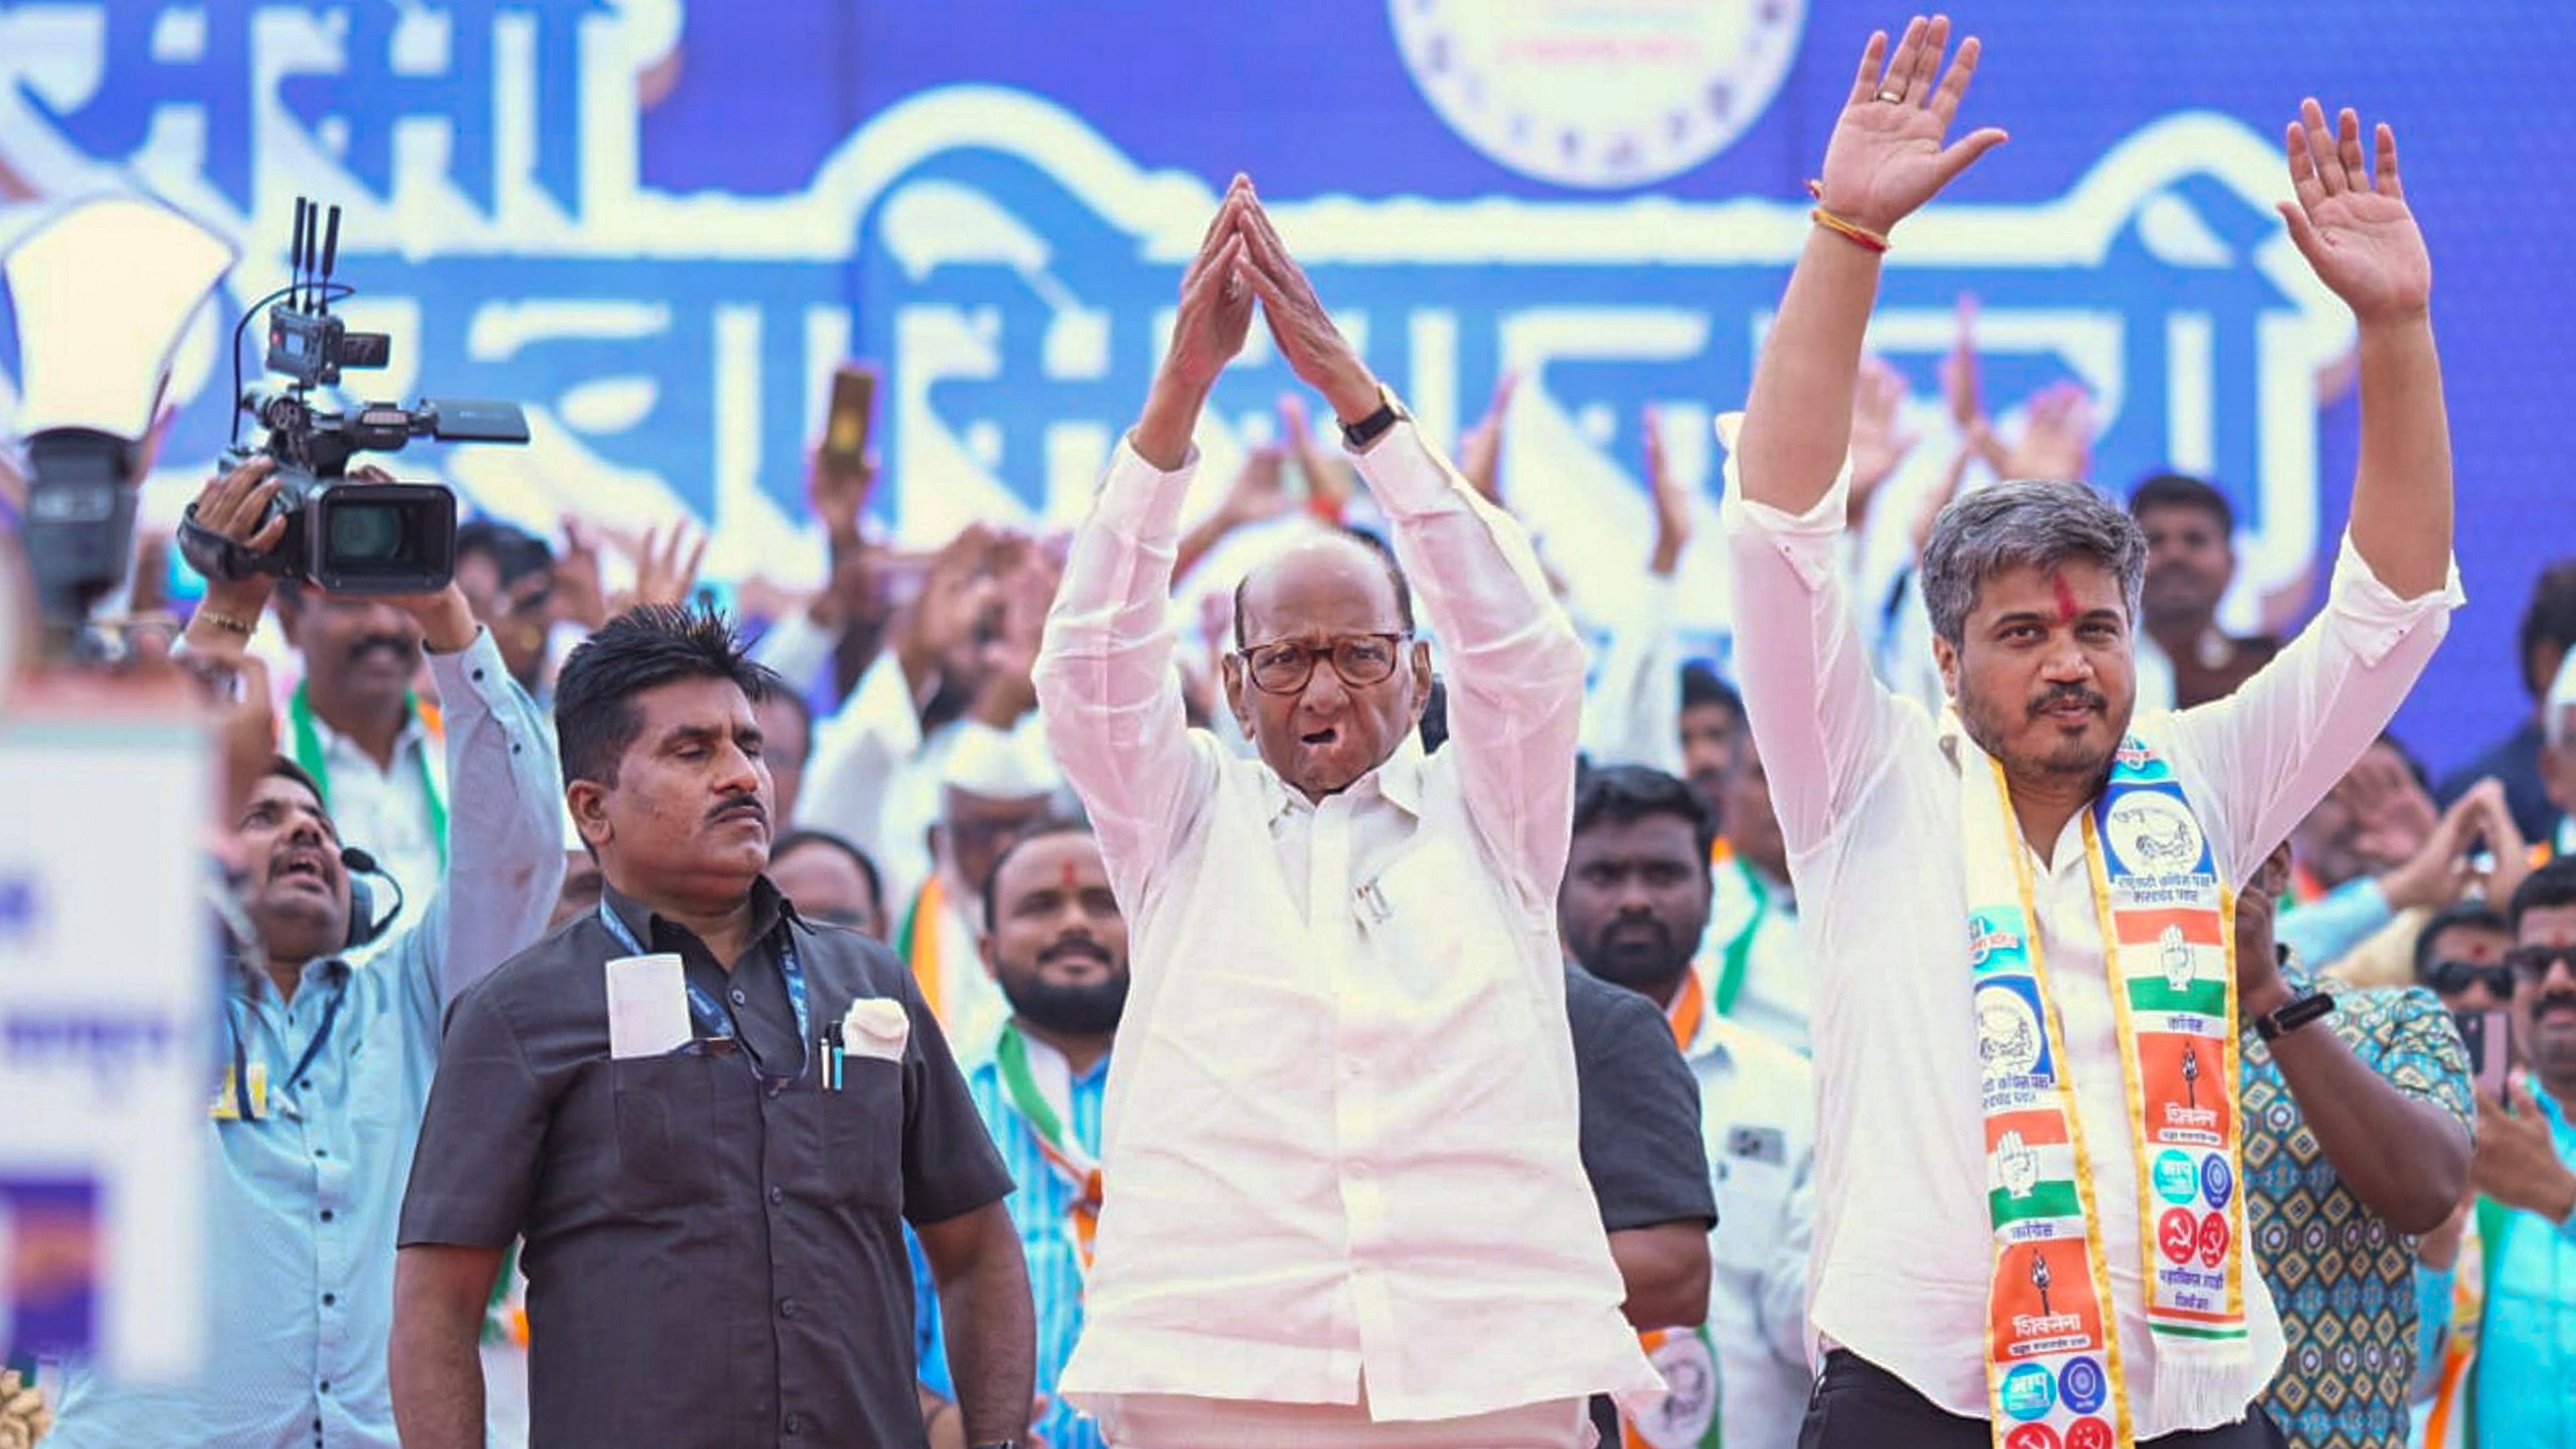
714	1233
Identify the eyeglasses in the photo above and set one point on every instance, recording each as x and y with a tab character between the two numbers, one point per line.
2535	961
1360	659
2450	978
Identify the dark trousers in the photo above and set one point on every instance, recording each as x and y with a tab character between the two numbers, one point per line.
1858	1405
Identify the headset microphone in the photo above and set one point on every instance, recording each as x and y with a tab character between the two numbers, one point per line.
365	926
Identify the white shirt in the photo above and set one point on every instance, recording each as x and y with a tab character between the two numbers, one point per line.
385	811
1340	1130
1758	1121
1869	804
1778	990
873	777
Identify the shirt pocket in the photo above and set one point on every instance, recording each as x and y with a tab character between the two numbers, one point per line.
1750	1192
664	1111
862	1134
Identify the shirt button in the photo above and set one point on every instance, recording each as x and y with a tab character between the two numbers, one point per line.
787	1308
326	1215
330	1298
795	1424
323	1387
777	1195
738	998
321	1151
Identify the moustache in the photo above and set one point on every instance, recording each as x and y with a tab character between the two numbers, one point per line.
1663	934
401	647
1082	946
732	803
2068	694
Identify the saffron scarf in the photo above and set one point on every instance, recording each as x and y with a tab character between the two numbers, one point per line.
918	944
1688	1416
2053	1365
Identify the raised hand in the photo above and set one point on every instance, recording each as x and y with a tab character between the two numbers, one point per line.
1216	307
1259	492
1887	156
2351	220
665	569
1879	441
1329	484
1315	349
579	597
1208	332
1480	448
1672	504
2056	438
839	491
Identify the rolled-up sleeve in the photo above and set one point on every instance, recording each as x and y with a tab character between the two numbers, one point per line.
505	854
1107	690
1515	664
1819	716
2272	749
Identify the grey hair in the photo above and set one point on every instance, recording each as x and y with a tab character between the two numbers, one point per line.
2025	523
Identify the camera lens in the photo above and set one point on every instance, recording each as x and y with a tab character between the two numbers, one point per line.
366	532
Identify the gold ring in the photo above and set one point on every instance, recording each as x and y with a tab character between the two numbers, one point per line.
1892	97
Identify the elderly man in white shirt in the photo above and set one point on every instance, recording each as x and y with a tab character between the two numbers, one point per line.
1345	1204
2029	1230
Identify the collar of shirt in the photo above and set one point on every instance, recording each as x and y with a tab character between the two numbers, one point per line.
261	990
414	736
1398	782
769	910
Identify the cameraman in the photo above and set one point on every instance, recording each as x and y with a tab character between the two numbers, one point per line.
327	1064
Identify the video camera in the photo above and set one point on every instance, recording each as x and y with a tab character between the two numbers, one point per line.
350	537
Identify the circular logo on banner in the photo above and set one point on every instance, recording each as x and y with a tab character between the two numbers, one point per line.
2031	1436
2178	1233
2088	1434
2216	1181
1598	93
2176	1180
2154	835
2081	1385
2008	1033
2213	1240
2029	1392
1689	1406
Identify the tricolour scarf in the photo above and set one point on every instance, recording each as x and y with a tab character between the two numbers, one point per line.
2053	1369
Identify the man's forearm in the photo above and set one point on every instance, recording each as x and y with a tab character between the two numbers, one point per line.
435	1365
2401	491
992	1347
1797	421
2405	1159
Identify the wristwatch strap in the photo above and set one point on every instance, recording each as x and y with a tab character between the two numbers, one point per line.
2272	1026
1357	436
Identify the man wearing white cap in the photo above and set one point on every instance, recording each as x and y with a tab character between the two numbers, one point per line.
994	784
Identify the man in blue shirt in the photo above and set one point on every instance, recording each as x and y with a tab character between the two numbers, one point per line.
2526	1163
1056	944
327	1067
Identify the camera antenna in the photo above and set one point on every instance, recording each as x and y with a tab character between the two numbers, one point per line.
296	251
330	258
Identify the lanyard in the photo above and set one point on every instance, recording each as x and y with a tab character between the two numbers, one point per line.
310	754
718	1021
312	1049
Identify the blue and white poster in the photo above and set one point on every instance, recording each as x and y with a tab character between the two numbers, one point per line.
659	224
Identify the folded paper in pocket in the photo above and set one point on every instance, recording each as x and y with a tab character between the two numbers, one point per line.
876	1026
648	1006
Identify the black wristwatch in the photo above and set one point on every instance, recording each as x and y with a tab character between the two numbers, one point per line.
1000	1444
1357	436
2273	1025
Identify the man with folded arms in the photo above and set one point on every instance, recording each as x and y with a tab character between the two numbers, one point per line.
1345	1201
2028	1014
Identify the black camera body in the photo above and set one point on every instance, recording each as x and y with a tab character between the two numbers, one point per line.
348	536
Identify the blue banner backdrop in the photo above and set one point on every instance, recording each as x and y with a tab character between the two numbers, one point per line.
659	225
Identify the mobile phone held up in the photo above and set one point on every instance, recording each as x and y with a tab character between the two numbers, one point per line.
852	417
2488	1036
